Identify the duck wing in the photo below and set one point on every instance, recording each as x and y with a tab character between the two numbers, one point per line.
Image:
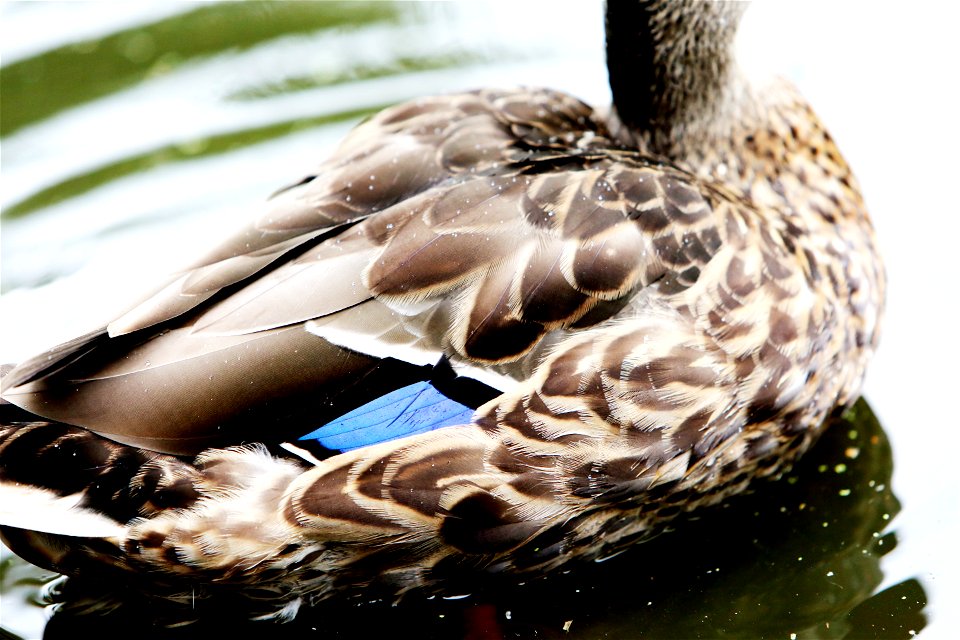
479	229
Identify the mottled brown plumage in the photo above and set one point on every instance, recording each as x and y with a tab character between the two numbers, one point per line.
670	301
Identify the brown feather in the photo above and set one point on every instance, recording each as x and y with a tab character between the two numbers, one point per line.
666	328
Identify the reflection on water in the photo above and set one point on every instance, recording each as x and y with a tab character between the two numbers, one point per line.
176	117
93	68
797	557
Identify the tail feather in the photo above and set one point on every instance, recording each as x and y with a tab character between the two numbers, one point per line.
67	481
37	509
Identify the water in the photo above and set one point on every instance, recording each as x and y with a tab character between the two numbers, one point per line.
134	134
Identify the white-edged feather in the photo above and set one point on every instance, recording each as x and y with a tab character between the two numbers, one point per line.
35	509
374	329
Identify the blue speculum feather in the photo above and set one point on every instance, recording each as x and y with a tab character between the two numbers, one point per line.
412	409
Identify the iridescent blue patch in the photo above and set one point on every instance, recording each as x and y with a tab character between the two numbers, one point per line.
412	409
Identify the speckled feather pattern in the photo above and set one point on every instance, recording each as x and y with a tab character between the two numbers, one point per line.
669	330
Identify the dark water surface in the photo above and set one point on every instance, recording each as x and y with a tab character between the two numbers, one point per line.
134	134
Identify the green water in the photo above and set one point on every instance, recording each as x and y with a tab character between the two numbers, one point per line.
135	141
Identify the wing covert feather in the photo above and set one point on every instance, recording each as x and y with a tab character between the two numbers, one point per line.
517	256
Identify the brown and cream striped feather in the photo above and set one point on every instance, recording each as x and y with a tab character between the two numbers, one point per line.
663	331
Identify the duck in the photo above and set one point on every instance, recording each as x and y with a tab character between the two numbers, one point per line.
498	331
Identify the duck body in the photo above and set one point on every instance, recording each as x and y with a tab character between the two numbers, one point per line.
626	322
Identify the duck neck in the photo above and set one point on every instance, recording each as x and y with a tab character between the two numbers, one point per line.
675	84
